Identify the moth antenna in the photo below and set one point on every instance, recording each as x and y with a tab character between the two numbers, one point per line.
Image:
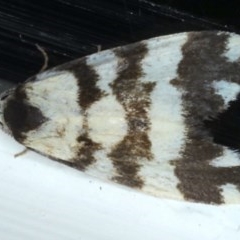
45	56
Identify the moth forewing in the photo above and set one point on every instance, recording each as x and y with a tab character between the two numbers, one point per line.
160	115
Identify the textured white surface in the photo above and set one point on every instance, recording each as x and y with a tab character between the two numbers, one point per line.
45	200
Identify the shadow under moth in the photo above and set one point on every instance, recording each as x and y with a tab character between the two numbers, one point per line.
161	115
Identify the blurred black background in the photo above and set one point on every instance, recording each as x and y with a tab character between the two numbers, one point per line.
69	29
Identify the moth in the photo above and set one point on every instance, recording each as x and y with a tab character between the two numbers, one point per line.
161	115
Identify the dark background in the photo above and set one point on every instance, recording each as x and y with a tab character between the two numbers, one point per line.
69	29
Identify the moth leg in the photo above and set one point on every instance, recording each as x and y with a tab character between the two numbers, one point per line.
24	151
45	56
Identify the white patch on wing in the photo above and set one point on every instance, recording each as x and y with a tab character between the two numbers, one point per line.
56	96
106	118
229	158
106	121
107	126
233	47
227	90
230	193
103	167
160	181
105	64
167	133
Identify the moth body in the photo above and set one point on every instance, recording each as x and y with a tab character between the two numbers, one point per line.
160	115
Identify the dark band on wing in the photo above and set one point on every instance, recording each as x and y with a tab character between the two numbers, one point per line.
89	93
134	96
203	62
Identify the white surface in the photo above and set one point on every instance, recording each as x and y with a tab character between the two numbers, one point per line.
43	199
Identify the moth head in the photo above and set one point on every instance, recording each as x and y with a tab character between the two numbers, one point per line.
17	115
